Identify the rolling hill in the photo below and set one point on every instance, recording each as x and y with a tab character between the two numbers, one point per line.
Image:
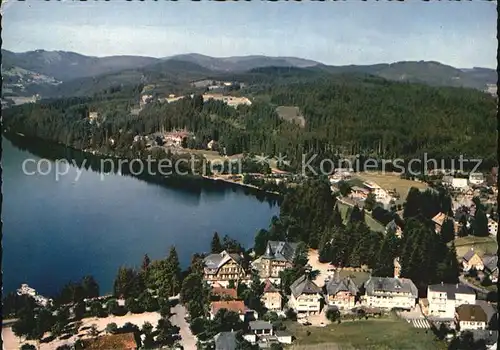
83	75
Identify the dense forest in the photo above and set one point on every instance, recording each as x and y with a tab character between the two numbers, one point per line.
346	115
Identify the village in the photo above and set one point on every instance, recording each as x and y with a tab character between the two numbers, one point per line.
326	295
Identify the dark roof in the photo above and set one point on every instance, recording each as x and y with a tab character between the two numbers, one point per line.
451	289
468	312
259	324
214	261
470	253
303	285
489	337
270	288
282	334
487	308
490	262
282	251
225	341
389	284
336	284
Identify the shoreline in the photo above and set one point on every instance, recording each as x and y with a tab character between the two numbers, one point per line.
250	186
190	177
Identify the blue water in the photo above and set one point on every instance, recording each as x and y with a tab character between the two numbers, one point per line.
58	231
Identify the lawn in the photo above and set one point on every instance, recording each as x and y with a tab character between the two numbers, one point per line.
384	333
358	277
482	245
371	222
389	181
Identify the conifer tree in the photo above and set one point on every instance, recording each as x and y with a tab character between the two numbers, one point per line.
216	246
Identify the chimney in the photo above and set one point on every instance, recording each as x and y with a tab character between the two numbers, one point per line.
441	282
456	286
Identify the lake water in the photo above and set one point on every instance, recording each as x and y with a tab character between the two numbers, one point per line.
58	231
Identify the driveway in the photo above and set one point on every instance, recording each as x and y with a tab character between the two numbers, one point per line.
178	319
463	280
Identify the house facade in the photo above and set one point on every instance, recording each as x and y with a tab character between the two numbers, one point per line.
388	293
222	268
341	292
278	257
379	192
472	260
306	296
271	298
444	298
492	227
470	317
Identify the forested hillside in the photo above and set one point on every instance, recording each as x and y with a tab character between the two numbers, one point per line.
348	115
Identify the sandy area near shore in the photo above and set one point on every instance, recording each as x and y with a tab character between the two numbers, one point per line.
321	267
11	342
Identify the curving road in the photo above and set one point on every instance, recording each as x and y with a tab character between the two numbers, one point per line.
178	318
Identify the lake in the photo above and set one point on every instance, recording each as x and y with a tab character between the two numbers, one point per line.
56	231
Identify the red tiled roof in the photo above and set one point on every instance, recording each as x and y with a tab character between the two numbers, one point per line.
269	288
125	341
220	291
234	305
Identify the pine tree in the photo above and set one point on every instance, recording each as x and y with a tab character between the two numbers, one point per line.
480	223
337	218
389	250
145	262
216	246
356	215
412	205
448	231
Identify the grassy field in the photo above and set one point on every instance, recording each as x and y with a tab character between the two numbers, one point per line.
384	333
389	181
482	245
291	114
371	222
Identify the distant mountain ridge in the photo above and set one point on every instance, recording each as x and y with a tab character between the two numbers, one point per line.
63	65
78	72
243	63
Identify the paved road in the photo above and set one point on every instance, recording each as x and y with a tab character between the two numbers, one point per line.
188	340
476	288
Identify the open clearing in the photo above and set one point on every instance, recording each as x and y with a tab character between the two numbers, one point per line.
291	114
384	333
389	181
373	224
482	245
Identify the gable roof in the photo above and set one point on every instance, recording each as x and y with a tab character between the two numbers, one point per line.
215	261
259	324
337	284
490	263
390	285
303	285
124	341
439	218
231	305
451	289
221	291
270	288
225	341
470	253
469	312
487	308
281	251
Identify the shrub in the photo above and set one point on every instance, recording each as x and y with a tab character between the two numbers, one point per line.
111	328
333	315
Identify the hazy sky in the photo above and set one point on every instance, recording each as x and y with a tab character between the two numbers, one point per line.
462	34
